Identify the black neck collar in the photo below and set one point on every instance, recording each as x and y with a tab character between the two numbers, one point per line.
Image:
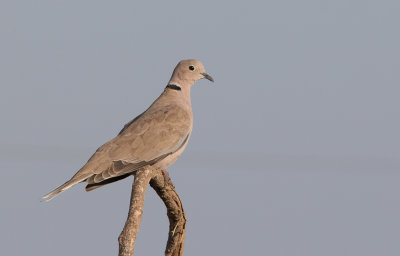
174	87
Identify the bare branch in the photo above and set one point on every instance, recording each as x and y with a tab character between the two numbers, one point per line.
177	219
176	215
128	235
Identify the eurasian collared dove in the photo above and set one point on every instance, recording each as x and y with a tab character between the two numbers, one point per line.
157	137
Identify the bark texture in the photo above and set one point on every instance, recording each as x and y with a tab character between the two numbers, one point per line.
128	235
164	187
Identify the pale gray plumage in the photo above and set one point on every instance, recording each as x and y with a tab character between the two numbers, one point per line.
155	138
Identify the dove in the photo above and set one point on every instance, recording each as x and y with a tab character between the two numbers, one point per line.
155	138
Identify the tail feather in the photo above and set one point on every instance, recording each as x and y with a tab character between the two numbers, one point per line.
60	189
92	186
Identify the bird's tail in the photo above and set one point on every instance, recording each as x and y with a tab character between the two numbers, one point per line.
60	189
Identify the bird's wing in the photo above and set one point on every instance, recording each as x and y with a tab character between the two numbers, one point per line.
145	140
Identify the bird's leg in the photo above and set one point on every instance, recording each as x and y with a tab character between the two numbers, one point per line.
166	177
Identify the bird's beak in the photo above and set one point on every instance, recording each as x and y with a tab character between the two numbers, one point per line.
207	76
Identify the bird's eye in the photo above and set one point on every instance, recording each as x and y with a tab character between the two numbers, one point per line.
191	68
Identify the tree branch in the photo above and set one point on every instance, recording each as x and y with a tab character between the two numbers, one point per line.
177	219
128	235
176	215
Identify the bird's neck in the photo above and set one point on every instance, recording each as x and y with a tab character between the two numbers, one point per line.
182	96
174	93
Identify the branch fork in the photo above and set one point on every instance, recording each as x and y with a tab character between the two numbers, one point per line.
162	184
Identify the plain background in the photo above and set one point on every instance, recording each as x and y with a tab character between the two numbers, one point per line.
295	148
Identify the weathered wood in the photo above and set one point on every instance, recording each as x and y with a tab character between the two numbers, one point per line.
128	235
165	189
176	215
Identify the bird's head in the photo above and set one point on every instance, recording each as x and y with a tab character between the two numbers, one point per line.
187	72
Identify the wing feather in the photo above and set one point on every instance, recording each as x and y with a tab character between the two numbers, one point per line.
145	140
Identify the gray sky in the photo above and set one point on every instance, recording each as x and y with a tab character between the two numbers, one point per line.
296	143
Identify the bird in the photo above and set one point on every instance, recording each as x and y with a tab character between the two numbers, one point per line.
155	138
